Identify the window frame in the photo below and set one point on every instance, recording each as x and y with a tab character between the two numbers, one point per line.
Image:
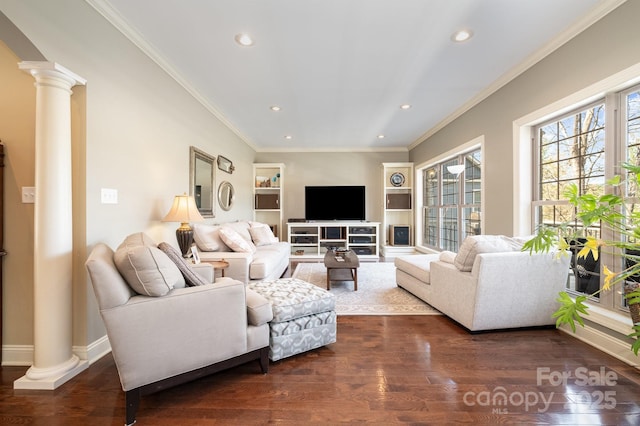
456	156
614	152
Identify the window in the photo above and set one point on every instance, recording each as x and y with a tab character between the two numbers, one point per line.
572	151
451	203
575	148
631	134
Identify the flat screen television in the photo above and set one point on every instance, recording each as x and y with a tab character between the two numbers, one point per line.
334	203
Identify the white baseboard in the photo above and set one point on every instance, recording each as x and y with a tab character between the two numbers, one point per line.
605	342
94	351
395	251
22	355
17	355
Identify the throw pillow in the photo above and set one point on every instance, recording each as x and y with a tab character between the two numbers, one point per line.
147	269
447	256
207	237
471	246
261	235
191	277
241	227
138	239
236	241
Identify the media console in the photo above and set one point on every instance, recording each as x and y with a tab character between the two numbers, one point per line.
314	239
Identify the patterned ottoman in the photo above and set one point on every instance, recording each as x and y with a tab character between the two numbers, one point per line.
304	316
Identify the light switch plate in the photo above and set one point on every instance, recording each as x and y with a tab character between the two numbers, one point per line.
109	196
28	194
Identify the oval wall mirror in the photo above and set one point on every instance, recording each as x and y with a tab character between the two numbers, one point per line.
201	180
226	195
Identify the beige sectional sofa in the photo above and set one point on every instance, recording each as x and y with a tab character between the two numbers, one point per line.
253	252
489	284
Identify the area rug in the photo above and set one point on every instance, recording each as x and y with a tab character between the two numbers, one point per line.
377	292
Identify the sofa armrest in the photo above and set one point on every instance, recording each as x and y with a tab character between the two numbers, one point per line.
259	309
205	270
239	263
153	338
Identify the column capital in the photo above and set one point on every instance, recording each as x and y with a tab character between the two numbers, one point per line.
51	69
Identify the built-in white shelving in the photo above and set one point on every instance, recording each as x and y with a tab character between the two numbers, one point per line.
268	192
313	239
398	217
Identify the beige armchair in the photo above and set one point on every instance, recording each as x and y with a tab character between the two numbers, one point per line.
159	342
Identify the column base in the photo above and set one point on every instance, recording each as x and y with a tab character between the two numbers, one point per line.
57	377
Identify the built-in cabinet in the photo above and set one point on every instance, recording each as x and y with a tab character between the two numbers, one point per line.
268	192
314	239
398	218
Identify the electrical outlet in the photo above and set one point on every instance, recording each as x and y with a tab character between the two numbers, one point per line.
109	196
28	194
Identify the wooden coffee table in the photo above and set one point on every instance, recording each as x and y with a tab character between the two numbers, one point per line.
342	270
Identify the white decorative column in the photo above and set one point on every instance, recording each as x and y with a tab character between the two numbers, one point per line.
53	361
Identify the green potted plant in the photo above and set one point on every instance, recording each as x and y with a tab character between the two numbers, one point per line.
610	211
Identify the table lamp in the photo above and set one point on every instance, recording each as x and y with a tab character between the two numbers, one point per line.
184	210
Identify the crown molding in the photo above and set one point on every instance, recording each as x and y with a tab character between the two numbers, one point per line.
598	12
104	8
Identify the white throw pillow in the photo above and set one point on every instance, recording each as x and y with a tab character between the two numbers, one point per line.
207	237
476	244
261	234
241	227
447	256
234	240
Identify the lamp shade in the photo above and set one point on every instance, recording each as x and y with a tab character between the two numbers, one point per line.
183	210
456	169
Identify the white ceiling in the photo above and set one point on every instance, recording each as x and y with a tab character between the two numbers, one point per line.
340	69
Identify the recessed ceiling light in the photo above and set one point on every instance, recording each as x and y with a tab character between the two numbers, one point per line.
244	39
288	137
274	108
405	106
462	35
380	136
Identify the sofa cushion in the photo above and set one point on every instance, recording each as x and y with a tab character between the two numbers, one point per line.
146	268
267	259
191	278
259	309
207	237
476	244
418	266
235	241
261	234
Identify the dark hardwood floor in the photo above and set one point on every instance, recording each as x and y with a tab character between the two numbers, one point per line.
382	370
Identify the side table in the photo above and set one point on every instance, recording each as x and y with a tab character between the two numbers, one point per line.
218	264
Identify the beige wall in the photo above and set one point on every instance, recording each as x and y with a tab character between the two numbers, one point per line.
605	48
17	127
132	128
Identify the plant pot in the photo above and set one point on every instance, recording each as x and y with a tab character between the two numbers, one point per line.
634	310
